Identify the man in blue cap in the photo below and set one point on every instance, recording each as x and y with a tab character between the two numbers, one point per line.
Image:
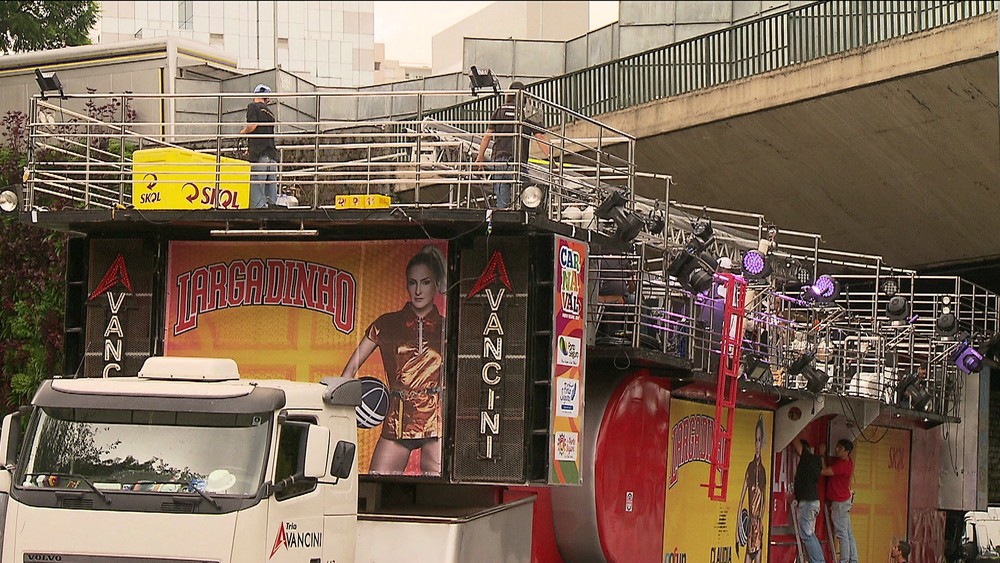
263	153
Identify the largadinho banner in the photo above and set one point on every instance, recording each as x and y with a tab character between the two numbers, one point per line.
304	311
697	529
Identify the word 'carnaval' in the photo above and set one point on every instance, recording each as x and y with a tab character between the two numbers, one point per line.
274	281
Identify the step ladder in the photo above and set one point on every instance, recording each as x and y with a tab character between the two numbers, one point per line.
800	553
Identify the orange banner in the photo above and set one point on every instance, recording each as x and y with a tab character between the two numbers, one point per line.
302	310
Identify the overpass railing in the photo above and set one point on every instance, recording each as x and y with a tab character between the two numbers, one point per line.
747	49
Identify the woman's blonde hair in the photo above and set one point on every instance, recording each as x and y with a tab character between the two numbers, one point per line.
431	257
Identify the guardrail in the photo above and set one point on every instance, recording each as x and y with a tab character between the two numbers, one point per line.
746	49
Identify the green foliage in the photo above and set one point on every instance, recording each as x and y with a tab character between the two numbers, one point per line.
46	24
32	288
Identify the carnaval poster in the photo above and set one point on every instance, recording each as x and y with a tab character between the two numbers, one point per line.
881	487
306	310
697	528
568	361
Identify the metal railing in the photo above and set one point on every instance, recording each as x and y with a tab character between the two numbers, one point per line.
746	49
88	163
636	300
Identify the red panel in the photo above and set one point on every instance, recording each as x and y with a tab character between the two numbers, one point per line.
783	545
926	521
543	536
631	457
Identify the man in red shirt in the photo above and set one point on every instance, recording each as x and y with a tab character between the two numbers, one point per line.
839	469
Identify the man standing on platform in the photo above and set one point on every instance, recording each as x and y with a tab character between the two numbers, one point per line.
807	498
838	492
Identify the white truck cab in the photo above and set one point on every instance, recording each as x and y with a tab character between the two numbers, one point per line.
184	463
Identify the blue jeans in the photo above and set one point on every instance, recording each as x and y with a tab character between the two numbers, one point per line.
263	182
807	512
840	513
503	177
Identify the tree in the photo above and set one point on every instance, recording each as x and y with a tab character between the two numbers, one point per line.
45	24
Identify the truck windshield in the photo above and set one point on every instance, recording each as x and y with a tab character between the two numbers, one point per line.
146	451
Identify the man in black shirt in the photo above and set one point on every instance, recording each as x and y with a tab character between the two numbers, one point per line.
807	495
507	125
263	153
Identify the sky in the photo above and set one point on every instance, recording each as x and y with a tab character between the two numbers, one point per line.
406	28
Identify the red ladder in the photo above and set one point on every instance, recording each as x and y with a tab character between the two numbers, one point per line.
729	371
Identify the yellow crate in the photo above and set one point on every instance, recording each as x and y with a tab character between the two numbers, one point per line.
362	201
169	178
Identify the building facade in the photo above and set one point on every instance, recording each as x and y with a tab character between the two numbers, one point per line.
329	43
392	70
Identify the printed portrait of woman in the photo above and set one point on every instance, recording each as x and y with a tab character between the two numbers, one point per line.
410	342
755	494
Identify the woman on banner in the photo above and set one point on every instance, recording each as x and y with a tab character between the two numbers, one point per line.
410	341
755	493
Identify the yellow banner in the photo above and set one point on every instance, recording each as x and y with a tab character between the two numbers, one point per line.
169	178
697	529
881	487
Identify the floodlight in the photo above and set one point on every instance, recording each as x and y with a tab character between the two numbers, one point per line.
756	369
8	201
482	80
48	82
533	197
756	265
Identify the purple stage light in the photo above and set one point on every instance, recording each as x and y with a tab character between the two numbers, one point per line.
754	264
824	288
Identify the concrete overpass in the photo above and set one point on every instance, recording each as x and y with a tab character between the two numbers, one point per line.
890	149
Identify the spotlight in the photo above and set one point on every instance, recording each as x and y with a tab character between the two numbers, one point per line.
533	197
628	224
655	223
703	230
482	80
816	379
967	358
911	392
825	289
694	267
946	324
756	265
8	201
898	308
48	82
890	287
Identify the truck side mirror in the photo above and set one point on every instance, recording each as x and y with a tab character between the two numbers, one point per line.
10	436
343	459
317	451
